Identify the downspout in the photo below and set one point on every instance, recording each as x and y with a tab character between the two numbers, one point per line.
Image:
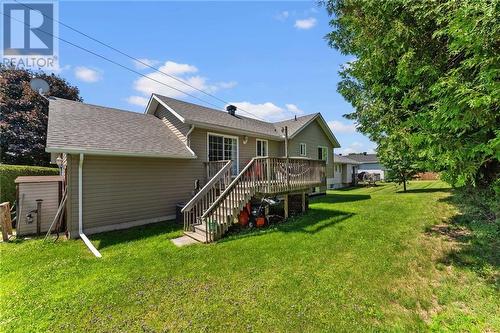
190	130
80	210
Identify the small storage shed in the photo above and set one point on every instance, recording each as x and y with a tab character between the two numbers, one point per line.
29	189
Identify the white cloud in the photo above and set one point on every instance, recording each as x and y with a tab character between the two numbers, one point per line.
356	147
305	24
141	64
283	15
341	127
138	100
294	109
227	85
268	111
86	74
157	82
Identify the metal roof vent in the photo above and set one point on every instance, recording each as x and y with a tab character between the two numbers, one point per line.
231	109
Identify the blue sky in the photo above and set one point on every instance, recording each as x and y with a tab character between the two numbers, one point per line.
269	58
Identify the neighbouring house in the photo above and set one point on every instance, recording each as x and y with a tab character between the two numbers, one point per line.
368	163
125	169
345	171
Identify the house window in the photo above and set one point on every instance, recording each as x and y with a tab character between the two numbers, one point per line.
261	148
323	154
303	149
221	148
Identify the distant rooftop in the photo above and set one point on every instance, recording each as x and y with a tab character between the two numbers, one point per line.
364	157
343	160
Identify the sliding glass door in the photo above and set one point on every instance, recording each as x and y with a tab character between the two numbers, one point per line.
221	147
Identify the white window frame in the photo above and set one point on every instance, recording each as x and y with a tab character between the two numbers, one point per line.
325	148
300	149
229	137
257	147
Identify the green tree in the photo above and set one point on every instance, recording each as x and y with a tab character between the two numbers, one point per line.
431	69
24	115
397	155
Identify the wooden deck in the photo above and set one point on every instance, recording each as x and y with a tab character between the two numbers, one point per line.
210	213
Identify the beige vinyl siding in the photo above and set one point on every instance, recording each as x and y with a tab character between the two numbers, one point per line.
47	191
198	143
337	173
124	190
313	136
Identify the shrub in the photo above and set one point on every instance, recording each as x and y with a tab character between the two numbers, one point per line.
9	173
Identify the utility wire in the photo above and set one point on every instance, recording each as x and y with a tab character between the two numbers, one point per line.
116	63
138	61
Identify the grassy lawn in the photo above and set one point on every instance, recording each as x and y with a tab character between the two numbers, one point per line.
367	259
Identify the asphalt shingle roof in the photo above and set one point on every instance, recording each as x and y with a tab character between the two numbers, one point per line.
295	125
362	158
78	127
197	114
343	160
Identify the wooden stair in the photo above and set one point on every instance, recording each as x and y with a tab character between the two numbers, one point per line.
210	213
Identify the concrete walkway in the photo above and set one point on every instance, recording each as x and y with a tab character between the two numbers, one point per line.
184	240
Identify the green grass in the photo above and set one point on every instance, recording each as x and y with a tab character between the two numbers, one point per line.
367	259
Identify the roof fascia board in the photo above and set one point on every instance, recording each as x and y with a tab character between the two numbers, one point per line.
114	153
303	126
150	107
323	125
328	131
169	108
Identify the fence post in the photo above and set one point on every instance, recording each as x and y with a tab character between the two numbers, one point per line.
5	221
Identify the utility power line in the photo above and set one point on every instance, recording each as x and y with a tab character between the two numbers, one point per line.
138	61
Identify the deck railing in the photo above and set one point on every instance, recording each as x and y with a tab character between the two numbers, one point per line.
270	175
195	208
212	168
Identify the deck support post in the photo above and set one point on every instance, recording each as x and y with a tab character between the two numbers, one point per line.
286	206
303	202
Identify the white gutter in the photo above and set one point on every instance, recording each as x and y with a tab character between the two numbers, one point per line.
190	130
187	140
80	210
76	150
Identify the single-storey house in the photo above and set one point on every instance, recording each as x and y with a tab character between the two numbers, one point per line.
345	171
124	169
368	163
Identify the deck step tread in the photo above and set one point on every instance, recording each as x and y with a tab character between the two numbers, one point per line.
196	235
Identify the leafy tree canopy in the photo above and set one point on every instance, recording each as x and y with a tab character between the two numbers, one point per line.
426	72
24	115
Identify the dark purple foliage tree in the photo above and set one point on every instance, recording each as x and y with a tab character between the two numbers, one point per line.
24	115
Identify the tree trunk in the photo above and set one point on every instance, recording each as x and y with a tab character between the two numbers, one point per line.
404	183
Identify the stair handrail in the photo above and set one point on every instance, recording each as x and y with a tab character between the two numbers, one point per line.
218	176
230	187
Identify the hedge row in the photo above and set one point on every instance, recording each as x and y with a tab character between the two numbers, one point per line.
9	173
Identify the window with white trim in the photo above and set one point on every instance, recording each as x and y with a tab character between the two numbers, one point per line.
303	149
221	148
261	148
323	154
